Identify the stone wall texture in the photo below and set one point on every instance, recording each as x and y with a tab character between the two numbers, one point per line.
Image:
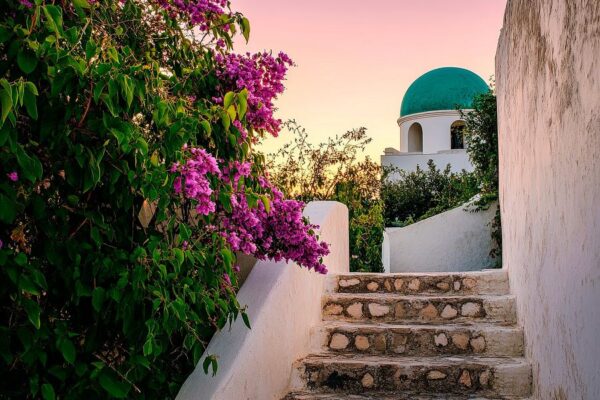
548	85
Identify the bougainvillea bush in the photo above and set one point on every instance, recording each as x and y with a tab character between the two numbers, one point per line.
127	185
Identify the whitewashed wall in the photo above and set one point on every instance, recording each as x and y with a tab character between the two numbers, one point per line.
548	84
455	240
436	129
284	302
458	160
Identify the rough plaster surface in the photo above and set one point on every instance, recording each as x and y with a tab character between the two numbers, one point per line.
284	302
548	85
456	240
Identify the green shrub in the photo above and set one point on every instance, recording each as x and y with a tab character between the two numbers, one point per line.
481	132
412	196
332	171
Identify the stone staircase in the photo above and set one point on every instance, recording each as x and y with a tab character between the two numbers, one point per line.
415	336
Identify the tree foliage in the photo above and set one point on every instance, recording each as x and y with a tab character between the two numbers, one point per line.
332	170
481	132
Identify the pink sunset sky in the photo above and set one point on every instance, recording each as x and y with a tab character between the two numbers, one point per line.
355	59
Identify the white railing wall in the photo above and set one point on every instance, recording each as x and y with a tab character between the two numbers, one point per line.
284	303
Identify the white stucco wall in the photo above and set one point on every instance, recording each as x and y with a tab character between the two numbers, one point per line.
548	86
458	160
385	252
436	129
284	302
456	240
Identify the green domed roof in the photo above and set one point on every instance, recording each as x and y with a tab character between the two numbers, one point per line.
442	89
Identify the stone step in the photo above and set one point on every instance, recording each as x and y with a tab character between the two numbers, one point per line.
488	340
380	307
308	395
487	282
466	375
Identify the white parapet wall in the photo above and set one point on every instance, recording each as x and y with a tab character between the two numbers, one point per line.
458	160
455	240
284	303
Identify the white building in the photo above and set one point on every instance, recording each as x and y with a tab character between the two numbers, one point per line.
430	125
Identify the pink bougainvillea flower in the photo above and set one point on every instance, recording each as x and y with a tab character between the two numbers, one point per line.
262	75
198	13
193	181
227	279
268	226
13	176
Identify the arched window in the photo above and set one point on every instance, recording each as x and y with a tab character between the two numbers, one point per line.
415	138
457	139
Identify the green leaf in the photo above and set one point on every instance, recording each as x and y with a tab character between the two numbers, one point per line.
90	49
5	34
67	348
48	392
266	203
246	319
27	286
148	347
98	296
127	89
30	101
54	19
31	167
225	200
112	385
142	145
26	60
210	361
206	126
179	256
30	87
21	259
246	28
5	99
232	113
228	99
95	235
81	3
113	54
227	257
33	312
8	211
243	103
98	88
225	120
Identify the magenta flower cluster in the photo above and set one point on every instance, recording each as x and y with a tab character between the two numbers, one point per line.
279	234
199	13
272	227
13	176
262	75
192	180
